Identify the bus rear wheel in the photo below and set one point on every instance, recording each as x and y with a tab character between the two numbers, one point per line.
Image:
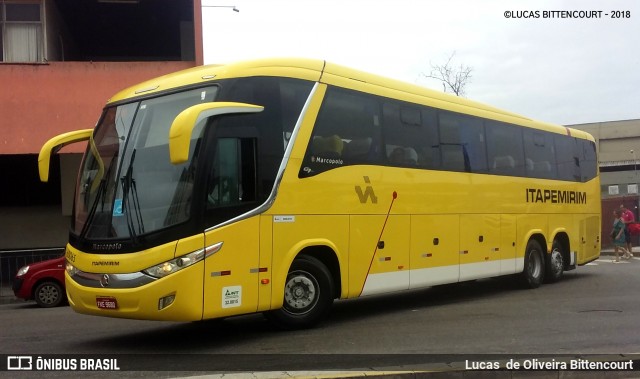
307	295
555	263
533	272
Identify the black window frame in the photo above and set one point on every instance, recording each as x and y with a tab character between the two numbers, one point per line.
437	139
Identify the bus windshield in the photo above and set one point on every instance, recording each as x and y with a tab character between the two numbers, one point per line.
127	185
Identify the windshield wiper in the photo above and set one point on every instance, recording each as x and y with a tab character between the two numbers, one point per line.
92	211
98	199
129	183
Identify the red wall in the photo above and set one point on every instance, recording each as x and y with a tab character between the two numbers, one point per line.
39	101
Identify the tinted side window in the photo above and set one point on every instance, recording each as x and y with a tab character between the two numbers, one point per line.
347	132
462	143
283	99
568	153
504	149
589	166
410	136
540	154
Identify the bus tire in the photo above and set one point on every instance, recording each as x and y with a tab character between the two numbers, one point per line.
555	263
308	295
533	273
48	294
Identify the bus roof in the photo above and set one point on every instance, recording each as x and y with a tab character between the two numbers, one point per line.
330	73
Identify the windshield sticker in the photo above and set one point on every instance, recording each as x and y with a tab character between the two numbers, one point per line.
117	208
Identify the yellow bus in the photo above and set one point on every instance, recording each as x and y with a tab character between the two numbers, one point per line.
279	185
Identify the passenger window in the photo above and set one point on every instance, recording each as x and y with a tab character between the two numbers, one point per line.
504	149
462	143
410	136
347	132
539	149
589	168
569	152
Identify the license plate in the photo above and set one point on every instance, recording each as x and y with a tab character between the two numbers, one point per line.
107	302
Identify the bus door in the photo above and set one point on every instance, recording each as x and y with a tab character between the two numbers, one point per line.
232	270
479	246
434	250
378	254
231	275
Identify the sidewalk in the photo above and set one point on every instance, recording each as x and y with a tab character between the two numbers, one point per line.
609	251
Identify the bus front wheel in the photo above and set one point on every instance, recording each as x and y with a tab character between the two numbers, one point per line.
307	295
533	272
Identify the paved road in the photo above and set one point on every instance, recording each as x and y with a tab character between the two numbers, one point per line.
593	310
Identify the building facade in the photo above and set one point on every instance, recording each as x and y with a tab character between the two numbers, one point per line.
60	62
618	145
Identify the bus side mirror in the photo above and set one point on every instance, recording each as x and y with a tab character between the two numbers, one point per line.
183	124
55	144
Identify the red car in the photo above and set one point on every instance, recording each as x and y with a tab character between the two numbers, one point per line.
42	282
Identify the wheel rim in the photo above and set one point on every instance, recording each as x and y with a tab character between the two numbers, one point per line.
48	294
535	264
301	292
557	264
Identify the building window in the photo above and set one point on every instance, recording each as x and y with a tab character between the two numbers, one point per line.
21	32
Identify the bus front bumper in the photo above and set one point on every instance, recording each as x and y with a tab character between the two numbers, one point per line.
177	297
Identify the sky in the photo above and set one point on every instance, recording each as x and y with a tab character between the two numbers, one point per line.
540	65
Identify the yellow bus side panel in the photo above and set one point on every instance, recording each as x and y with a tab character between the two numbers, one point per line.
232	275
386	261
508	252
435	247
589	238
266	263
479	246
294	233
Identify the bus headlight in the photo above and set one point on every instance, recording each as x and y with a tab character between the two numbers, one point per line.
175	265
71	269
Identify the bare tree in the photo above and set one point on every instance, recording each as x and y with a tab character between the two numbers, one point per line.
453	78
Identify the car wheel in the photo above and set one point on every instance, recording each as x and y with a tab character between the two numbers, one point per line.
48	294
